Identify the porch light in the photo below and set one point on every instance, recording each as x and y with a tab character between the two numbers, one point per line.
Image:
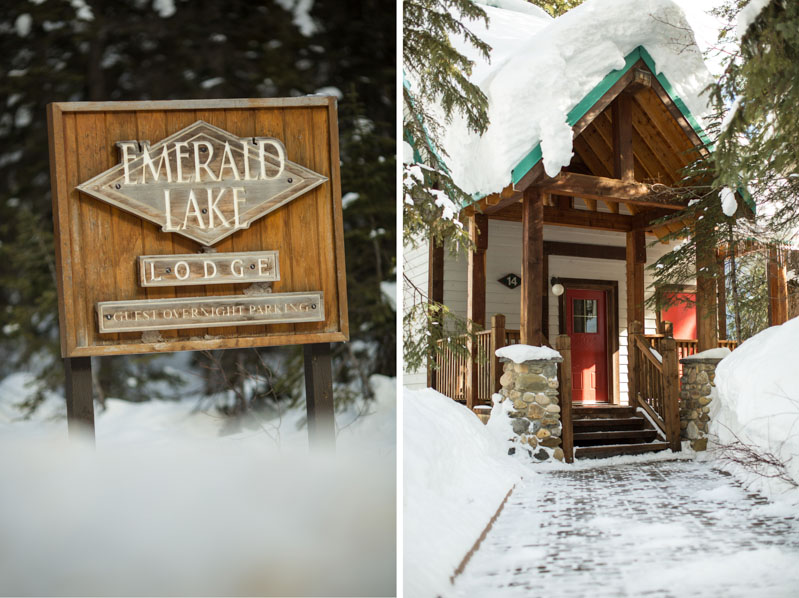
557	288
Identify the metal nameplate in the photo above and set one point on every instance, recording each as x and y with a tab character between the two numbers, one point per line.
208	268
208	312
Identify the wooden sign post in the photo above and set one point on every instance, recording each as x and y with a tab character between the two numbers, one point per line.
198	225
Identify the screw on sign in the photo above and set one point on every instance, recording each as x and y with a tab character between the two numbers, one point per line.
151	216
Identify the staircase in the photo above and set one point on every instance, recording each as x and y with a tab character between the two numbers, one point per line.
611	430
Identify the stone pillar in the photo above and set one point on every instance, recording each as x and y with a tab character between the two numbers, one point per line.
532	388
696	384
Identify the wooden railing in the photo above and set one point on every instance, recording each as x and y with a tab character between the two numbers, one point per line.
686	346
473	381
654	381
450	374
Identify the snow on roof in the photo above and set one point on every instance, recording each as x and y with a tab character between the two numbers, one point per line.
541	68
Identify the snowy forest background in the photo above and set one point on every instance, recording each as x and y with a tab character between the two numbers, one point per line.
78	50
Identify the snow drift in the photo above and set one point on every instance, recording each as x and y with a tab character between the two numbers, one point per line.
758	399
456	475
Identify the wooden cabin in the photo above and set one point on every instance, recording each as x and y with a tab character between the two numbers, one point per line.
589	233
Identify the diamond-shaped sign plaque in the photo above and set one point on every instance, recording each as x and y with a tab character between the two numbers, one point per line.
202	182
511	280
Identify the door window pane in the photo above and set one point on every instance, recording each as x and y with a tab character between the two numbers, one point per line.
585	315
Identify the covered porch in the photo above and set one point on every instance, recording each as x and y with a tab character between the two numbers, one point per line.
605	208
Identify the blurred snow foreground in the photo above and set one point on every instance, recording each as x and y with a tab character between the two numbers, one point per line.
167	506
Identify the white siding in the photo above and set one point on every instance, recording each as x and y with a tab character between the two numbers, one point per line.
504	256
415	267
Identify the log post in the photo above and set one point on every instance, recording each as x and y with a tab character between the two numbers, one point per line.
721	292
435	292
633	367
475	298
671	390
497	342
79	395
319	396
563	345
532	266
777	287
635	259
706	322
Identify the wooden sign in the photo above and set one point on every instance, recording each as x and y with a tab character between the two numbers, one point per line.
238	310
142	190
208	268
202	182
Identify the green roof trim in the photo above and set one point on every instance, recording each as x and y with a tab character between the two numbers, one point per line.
576	113
417	156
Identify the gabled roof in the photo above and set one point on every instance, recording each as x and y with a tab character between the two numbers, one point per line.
545	74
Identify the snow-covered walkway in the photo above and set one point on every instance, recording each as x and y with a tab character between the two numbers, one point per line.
661	529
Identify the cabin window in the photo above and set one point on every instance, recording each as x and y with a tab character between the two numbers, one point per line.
585	316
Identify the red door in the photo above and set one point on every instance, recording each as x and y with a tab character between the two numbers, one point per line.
681	314
587	327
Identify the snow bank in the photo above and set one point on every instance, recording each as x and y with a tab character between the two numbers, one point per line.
758	399
522	353
177	501
456	474
541	68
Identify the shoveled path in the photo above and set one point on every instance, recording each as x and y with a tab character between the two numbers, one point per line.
663	529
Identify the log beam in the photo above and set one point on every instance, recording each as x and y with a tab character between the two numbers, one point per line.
605	189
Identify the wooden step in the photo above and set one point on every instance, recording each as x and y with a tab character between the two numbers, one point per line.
608	424
603	411
614	437
614	450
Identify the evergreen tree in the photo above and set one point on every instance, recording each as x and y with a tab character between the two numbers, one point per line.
436	86
759	144
755	152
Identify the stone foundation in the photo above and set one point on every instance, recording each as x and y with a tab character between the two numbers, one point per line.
532	388
696	384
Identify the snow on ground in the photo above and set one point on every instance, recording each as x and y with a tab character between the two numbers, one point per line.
541	68
456	475
757	402
665	529
178	501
